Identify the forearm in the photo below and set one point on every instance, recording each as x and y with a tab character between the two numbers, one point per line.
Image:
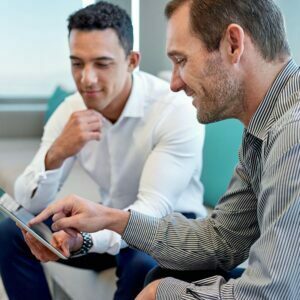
36	187
182	244
114	219
109	241
54	158
213	288
38	184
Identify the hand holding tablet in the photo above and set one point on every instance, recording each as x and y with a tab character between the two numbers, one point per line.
41	231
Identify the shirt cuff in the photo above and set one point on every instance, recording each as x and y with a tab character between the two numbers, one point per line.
44	183
50	176
106	241
141	231
171	288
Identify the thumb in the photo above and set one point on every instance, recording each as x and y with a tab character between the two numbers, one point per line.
65	247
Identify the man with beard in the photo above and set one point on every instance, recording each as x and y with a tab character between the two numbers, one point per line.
233	58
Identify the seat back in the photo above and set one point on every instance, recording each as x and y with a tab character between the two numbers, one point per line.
220	156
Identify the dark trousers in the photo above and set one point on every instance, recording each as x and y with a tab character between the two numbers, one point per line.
23	276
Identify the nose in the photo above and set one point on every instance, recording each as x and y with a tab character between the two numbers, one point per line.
88	76
177	84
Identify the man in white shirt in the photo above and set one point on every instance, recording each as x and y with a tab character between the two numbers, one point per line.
135	138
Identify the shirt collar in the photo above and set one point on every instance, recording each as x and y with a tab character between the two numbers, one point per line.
134	107
263	118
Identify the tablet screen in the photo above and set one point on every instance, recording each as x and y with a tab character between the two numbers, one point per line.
19	214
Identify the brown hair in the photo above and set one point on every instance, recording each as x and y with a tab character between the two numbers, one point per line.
261	19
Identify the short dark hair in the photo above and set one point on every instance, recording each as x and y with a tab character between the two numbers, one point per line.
261	19
101	16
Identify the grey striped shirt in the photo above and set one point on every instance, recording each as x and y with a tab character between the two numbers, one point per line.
257	218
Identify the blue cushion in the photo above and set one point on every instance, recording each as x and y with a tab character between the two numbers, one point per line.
220	156
55	100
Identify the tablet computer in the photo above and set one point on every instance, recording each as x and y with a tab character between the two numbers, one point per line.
20	215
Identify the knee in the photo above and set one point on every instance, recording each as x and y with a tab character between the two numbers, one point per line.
137	263
10	234
144	262
154	274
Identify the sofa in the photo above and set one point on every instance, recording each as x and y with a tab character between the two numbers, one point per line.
18	145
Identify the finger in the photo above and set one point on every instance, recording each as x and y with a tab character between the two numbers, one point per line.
23	232
67	223
39	250
55	243
33	241
88	115
95	113
96	136
91	121
72	232
94	119
95	127
33	246
44	215
61	242
58	216
19	225
62	205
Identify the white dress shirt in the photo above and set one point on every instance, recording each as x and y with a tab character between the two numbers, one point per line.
149	160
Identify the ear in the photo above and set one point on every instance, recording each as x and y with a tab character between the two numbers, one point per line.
233	42
133	60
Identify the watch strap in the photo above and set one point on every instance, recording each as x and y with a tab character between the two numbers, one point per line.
87	244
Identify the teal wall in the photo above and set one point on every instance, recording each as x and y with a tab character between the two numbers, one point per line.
220	156
291	9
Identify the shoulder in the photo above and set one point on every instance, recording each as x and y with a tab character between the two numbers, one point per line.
73	103
289	115
158	95
284	135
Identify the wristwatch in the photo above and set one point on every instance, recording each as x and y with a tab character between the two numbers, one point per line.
86	245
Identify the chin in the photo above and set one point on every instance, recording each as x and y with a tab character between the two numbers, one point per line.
205	118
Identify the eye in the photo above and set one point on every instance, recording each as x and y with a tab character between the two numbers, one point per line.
76	64
179	60
102	65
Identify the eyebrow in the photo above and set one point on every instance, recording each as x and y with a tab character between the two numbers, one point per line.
102	58
174	53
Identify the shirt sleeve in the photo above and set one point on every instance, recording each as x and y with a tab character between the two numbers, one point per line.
274	256
220	241
176	157
107	241
35	188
